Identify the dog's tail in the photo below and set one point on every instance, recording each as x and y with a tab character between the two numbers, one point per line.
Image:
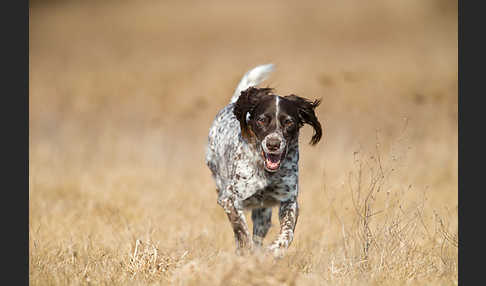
252	78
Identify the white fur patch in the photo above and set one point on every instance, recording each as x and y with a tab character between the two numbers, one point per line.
277	109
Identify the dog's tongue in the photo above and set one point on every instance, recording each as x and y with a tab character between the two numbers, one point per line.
273	161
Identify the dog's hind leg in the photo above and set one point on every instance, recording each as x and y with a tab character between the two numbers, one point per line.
262	220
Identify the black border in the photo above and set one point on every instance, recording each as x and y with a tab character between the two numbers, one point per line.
15	140
471	126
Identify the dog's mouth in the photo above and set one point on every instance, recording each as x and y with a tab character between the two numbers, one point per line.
272	161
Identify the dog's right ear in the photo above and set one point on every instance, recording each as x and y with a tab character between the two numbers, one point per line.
308	115
244	107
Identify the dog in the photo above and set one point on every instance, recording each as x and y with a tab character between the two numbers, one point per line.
253	155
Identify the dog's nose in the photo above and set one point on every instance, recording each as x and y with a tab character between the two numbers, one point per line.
273	144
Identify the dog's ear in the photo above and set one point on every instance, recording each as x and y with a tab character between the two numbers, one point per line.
245	104
307	115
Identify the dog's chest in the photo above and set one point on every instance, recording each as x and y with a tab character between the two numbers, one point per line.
258	188
268	197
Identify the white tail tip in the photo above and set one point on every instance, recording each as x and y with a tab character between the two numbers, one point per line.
252	78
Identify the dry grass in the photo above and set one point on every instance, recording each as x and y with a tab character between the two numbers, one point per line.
122	95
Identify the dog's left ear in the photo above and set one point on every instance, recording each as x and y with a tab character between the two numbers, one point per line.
245	104
307	115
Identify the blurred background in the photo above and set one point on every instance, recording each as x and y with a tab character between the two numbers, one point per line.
122	95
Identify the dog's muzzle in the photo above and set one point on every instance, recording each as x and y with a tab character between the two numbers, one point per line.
273	151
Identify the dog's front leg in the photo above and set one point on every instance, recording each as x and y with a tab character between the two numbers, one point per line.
288	214
237	219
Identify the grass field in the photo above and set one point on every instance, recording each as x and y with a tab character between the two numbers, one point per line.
122	94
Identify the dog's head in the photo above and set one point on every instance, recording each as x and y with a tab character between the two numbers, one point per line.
273	122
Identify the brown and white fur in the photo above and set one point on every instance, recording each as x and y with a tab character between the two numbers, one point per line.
253	154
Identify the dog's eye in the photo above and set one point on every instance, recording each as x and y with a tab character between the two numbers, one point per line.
288	122
261	121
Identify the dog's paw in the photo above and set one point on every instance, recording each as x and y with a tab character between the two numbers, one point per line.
277	249
245	250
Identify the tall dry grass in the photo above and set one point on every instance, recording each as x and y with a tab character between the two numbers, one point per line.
121	98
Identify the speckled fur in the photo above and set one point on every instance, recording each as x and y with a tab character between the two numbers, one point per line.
243	183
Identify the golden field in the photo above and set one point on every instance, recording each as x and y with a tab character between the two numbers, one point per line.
122	94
